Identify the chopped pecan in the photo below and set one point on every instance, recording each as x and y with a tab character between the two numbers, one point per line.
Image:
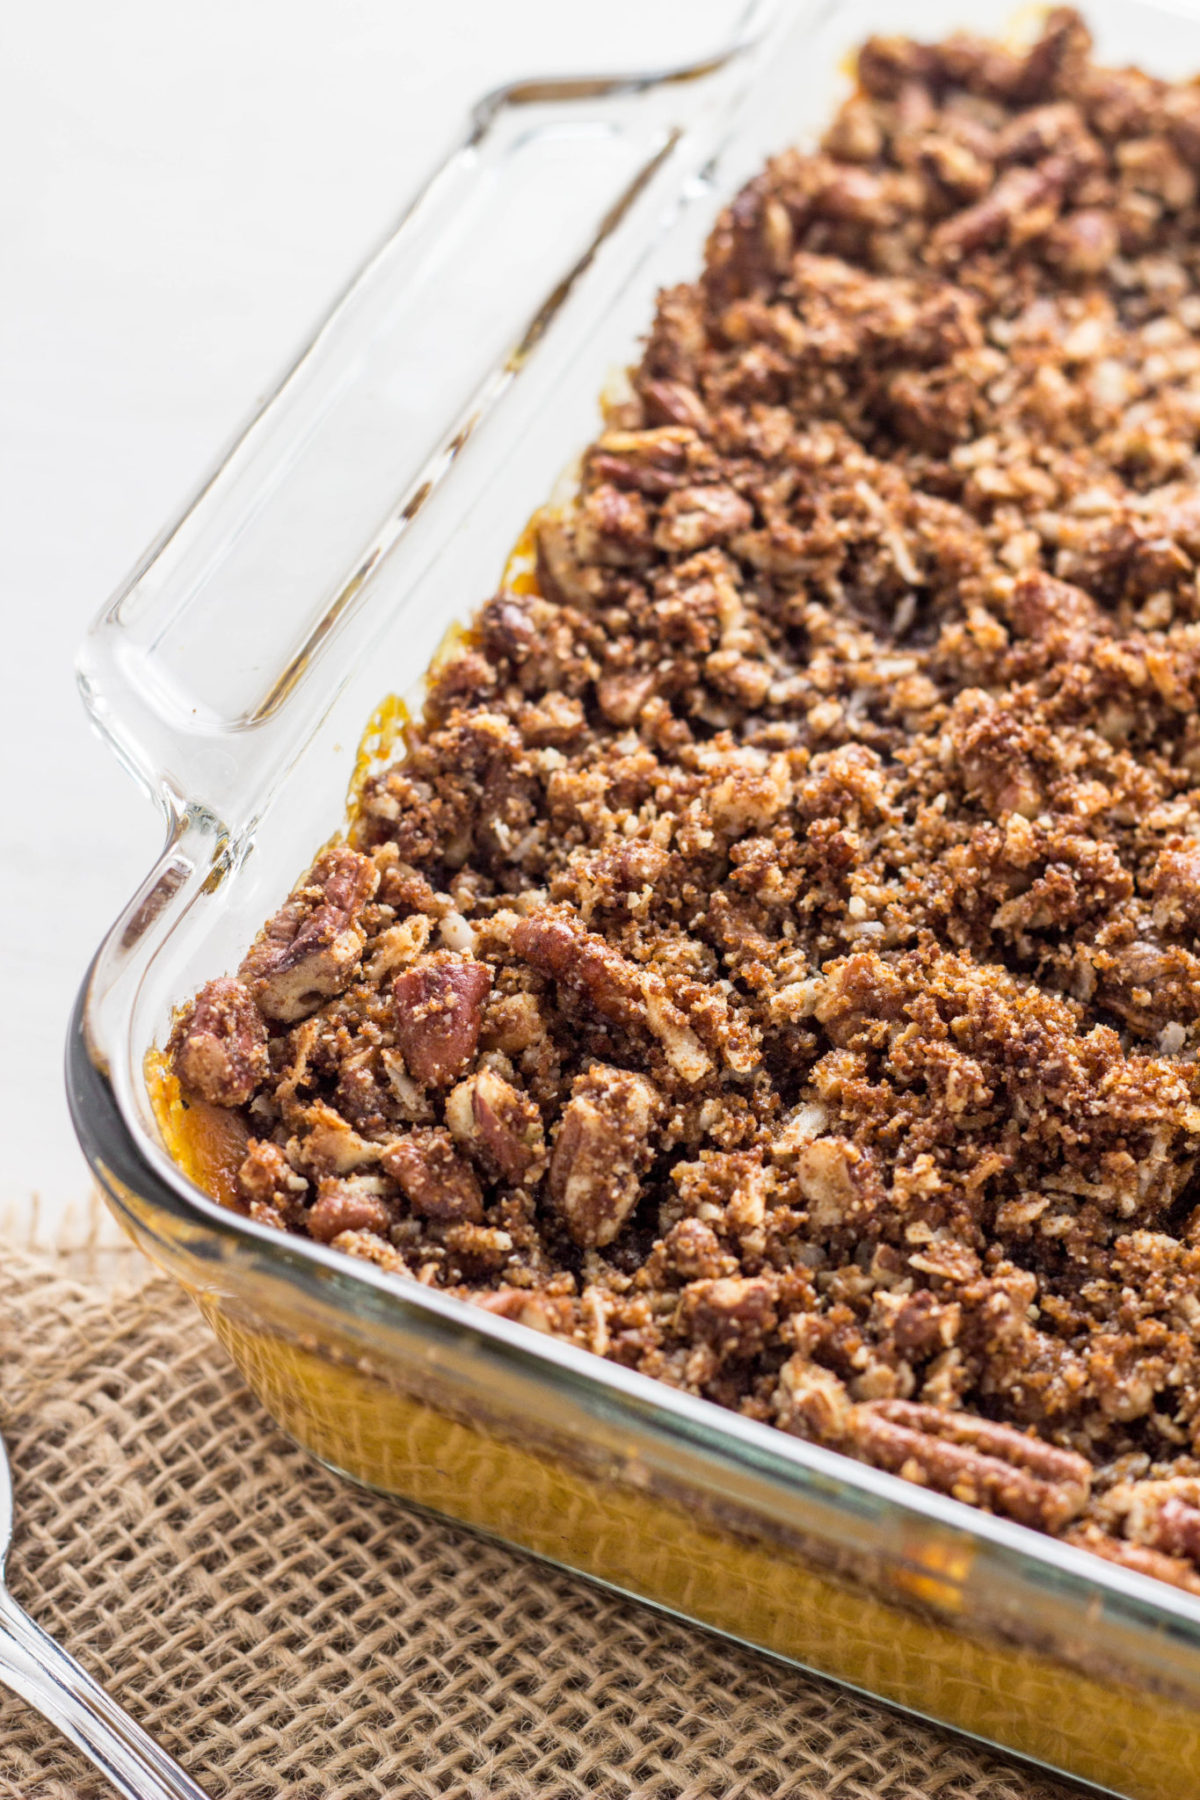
479	1249
838	1182
623	695
272	1189
1178	1525
1056	614
312	946
996	755
438	1007
353	1205
856	134
541	1312
693	1251
920	1323
1056	61
1121	556
1151	165
466	676
410	1101
1176	883
558	720
507	628
435	1180
1023	204
976	1460
1141	1558
1084	242
956	166
600	1150
563	574
612	527
372	1248
653	462
695	517
848	194
364	1094
500	1127
747	249
680	1044
219	1045
635	863
513	1023
812	1401
735	1316
887	65
539	640
1163	1515
746	800
932	409
329	1146
1036	131
1150	986
675	403
1181	112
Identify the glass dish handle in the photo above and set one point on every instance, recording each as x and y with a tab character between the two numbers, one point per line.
42	1673
228	621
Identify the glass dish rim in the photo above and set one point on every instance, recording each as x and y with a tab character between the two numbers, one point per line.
106	1129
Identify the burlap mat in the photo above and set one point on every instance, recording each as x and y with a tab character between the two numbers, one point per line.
283	1634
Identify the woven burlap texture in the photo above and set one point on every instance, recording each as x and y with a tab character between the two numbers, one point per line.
283	1634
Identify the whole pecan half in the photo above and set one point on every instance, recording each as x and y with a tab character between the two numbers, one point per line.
218	1048
600	1151
589	969
975	1460
972	1459
583	963
311	948
439	1011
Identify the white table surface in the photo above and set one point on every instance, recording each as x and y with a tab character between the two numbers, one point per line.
184	191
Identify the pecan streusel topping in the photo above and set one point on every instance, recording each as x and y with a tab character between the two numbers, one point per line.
774	963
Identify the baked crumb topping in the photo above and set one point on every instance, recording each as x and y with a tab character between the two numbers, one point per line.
774	963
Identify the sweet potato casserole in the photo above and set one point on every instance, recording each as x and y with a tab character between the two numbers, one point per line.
773	962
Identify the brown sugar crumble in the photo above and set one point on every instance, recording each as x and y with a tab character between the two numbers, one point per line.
774	964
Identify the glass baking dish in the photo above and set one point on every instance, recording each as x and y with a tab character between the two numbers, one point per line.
371	504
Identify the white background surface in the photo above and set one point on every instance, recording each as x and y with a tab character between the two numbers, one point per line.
183	192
